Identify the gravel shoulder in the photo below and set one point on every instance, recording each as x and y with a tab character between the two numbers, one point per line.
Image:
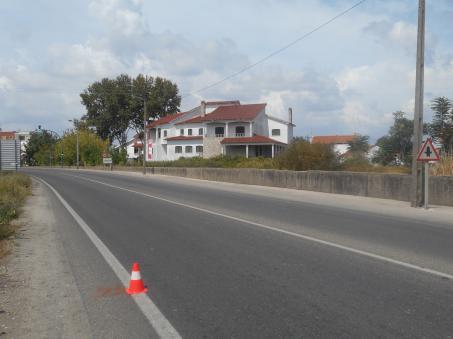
38	294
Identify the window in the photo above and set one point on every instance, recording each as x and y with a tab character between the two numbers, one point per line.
219	131
200	131
276	131
178	149
240	131
189	131
181	131
188	149
158	132
199	149
165	133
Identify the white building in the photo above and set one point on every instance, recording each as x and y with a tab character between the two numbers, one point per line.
218	127
134	148
340	143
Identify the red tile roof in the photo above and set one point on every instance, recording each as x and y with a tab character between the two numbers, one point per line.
215	103
166	119
256	139
138	145
184	137
332	139
7	135
231	112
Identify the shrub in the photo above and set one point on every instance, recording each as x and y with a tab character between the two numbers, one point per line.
14	188
303	156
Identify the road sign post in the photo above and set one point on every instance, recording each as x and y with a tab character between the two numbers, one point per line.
427	153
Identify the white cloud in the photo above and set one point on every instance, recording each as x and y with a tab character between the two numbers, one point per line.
123	16
83	60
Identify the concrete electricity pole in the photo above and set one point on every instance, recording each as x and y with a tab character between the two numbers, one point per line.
144	134
417	194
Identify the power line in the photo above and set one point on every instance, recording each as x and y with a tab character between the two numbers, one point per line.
278	51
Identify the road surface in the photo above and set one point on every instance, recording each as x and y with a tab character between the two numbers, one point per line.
228	262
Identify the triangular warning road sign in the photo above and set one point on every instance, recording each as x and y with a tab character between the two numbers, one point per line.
428	152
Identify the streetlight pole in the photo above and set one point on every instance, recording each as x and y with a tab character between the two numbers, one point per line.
77	142
417	180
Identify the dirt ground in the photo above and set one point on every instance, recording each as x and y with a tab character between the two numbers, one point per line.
38	295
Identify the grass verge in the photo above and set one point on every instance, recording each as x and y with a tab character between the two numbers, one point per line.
443	167
14	188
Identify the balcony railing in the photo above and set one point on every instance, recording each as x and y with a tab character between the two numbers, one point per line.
240	134
220	135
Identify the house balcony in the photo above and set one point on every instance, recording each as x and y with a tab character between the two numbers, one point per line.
229	130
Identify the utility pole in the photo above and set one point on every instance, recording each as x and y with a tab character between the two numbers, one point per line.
77	151
144	134
417	179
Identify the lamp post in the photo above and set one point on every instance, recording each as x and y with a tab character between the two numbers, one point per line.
77	142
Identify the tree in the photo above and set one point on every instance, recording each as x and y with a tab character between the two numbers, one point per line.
396	147
302	156
108	105
359	145
91	147
116	105
39	148
441	128
161	96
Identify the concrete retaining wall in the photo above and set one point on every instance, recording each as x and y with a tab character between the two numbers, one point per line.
377	185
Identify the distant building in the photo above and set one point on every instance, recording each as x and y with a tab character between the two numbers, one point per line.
218	127
340	143
134	148
22	136
7	135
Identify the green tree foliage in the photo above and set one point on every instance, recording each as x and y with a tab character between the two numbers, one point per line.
359	145
302	156
119	156
91	148
396	147
441	128
115	105
39	149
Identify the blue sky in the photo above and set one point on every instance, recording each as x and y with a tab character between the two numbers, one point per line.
348	77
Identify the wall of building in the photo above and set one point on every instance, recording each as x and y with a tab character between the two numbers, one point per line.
211	147
172	155
283	137
260	124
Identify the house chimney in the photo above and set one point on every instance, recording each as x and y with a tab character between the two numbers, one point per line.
203	108
290	115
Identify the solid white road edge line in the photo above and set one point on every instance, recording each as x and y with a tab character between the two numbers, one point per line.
157	320
275	229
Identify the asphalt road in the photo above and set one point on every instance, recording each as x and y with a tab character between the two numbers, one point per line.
217	265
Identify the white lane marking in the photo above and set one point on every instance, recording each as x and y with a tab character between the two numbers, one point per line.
157	320
279	230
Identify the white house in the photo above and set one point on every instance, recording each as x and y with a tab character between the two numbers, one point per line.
134	148
218	127
340	142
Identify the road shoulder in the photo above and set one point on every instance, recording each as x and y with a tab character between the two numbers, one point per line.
38	293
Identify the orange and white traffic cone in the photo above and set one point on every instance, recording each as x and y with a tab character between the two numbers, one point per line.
136	283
